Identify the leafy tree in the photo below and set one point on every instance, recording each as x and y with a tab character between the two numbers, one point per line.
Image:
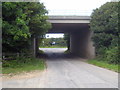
21	21
37	24
15	31
104	23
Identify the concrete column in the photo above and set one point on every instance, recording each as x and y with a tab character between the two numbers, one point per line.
37	45
33	46
81	44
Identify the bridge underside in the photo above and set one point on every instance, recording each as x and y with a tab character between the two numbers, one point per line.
78	29
80	38
68	27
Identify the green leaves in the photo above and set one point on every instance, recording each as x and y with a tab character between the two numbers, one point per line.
105	18
104	23
38	24
21	20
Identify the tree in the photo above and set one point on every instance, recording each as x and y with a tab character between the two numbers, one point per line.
104	23
38	24
21	21
15	30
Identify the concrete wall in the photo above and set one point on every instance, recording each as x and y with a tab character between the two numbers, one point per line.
81	44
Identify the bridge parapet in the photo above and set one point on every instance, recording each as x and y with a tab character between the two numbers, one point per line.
69	19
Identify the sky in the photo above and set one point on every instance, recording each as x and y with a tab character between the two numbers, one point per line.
71	7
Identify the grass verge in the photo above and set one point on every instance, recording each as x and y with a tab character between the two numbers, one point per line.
25	65
104	64
53	47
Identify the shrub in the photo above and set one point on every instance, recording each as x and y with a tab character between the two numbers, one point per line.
112	55
104	23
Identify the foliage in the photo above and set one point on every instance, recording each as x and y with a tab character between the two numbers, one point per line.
37	24
14	27
59	42
22	64
104	64
112	55
104	23
20	21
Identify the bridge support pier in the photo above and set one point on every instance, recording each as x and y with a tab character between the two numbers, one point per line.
81	44
34	46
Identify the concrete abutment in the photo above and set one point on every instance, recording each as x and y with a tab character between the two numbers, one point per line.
81	44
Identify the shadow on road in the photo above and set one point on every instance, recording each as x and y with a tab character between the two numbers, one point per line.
60	56
56	54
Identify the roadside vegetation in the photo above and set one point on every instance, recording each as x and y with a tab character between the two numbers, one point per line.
22	22
22	64
104	23
54	46
53	43
105	64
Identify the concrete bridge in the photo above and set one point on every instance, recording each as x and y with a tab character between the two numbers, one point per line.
78	29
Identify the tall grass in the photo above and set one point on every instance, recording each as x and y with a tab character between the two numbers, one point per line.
22	64
104	64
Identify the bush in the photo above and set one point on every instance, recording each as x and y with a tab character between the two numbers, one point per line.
22	64
112	55
18	62
104	23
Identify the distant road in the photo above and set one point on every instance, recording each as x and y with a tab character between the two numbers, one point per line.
64	71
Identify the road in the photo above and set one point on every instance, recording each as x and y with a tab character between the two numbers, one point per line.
66	71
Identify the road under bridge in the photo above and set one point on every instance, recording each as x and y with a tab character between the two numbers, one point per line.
79	31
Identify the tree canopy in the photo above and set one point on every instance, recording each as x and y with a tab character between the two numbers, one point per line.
20	21
104	23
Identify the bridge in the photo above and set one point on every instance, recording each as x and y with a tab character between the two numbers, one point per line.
65	24
78	29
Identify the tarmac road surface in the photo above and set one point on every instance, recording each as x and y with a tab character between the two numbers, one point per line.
66	71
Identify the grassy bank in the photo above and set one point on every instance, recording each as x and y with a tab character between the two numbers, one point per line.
53	47
22	65
104	64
